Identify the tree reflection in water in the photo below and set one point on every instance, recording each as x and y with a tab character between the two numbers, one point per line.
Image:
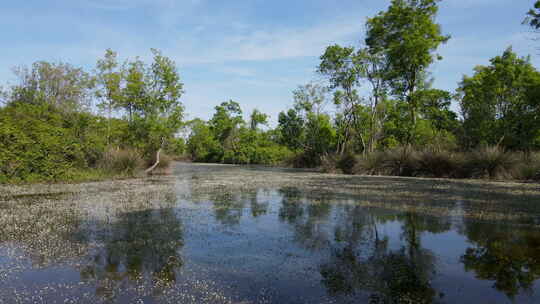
140	246
362	261
510	256
309	220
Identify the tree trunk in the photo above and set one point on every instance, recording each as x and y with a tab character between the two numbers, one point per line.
149	170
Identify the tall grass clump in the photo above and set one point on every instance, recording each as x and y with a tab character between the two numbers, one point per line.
438	163
329	163
491	162
346	163
401	161
121	161
371	164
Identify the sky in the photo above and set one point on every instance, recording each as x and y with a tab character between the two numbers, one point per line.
255	52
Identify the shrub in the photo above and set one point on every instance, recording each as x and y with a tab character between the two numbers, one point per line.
36	145
123	161
491	162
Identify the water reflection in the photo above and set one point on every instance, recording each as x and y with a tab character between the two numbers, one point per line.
509	256
143	245
309	219
361	260
268	244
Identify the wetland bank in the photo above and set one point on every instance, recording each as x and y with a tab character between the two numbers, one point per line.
232	234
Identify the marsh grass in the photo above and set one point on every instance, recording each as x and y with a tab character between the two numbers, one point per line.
121	161
491	162
529	167
488	162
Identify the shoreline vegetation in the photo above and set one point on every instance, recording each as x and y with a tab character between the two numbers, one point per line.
375	112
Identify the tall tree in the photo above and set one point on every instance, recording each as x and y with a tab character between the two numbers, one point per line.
408	36
342	67
375	67
109	78
148	94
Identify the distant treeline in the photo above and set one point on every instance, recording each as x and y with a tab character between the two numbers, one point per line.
376	105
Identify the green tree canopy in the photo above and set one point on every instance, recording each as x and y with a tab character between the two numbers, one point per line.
500	103
408	36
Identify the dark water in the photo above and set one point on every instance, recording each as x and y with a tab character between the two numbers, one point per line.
268	245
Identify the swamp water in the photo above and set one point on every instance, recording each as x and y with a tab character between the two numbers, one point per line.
227	234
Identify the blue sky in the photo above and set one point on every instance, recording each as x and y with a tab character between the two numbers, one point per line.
255	52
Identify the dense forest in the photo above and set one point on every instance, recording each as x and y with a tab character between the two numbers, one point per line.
376	112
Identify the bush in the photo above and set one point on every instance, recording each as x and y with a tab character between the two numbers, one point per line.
491	162
121	161
35	145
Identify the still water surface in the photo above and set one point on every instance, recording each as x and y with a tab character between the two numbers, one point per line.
223	234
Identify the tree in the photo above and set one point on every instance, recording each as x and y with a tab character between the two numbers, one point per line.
109	76
500	103
320	136
342	67
291	127
61	85
375	67
310	98
201	144
226	120
408	36
148	94
533	16
257	118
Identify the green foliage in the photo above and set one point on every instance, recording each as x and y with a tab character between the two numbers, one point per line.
257	118
291	128
226	120
408	36
226	139
38	142
320	137
60	85
201	145
500	103
148	94
533	16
